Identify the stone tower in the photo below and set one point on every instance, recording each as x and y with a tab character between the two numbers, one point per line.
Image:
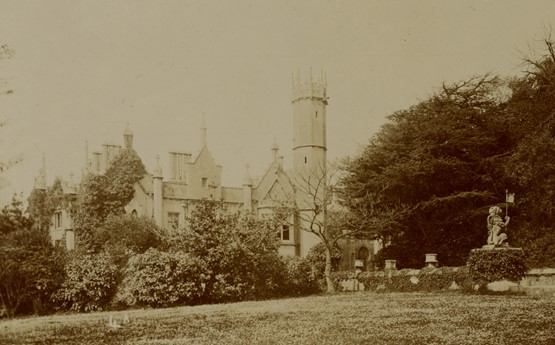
309	152
309	123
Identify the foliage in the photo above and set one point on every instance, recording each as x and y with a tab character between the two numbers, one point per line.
453	155
90	284
239	251
316	258
408	280
440	158
43	203
13	217
124	235
298	277
31	269
126	169
362	318
163	279
107	194
486	266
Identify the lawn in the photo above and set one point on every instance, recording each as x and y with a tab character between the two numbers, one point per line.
357	318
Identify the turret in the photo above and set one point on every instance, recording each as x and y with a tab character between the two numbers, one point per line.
86	161
309	122
275	150
40	180
203	136
247	190
128	138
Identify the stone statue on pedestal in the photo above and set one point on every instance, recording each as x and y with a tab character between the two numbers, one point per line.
497	228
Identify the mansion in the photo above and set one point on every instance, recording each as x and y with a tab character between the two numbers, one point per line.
168	197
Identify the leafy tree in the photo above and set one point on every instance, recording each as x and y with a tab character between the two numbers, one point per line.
443	160
107	194
13	217
531	118
31	269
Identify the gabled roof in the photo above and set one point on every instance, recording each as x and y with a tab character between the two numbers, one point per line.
275	180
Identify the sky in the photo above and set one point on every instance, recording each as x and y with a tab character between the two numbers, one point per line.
82	70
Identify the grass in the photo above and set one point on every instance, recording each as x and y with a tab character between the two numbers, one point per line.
358	318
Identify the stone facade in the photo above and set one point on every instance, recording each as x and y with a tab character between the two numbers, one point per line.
170	197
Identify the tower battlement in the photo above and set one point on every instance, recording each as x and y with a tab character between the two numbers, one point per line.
309	88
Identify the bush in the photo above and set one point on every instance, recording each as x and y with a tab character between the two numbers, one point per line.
161	279
298	279
90	284
339	277
489	265
316	257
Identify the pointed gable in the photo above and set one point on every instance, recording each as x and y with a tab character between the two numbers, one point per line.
274	186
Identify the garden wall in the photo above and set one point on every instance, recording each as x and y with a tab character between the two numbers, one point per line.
537	281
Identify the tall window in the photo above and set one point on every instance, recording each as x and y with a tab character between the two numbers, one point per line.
58	219
204	182
173	220
285	234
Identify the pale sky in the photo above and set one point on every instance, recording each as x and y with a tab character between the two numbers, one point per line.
82	70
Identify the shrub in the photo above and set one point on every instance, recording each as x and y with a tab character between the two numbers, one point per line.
240	251
489	265
317	258
298	279
162	279
338	277
90	283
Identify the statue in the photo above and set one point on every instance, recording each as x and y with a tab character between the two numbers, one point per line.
497	227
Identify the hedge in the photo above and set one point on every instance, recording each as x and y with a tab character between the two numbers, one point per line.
489	265
409	280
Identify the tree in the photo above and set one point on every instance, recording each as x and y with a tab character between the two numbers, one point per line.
13	217
531	118
438	165
106	194
31	269
318	209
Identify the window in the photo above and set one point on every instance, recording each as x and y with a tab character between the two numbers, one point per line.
173	220
204	182
305	160
58	219
285	235
316	114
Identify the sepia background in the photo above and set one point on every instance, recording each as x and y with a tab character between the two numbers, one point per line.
83	70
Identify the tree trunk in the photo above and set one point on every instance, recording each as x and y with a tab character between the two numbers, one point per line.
327	271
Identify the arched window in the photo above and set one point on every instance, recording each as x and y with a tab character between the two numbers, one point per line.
362	253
